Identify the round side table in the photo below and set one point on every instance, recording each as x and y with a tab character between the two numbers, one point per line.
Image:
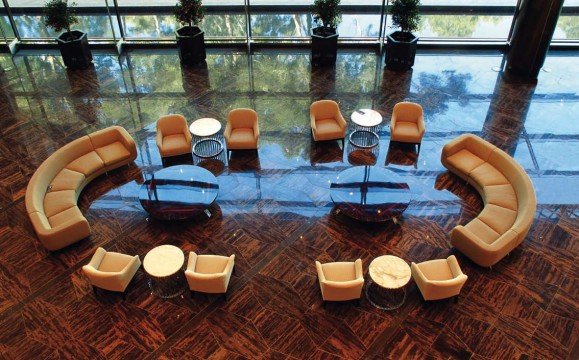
204	130
388	277
164	265
365	134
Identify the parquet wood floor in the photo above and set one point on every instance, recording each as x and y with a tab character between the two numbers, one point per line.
275	214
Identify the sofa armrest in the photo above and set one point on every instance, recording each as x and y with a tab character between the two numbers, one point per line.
454	146
64	235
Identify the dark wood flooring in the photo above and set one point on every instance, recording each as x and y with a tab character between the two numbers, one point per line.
275	214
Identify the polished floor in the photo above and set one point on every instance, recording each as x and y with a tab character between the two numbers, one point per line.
275	214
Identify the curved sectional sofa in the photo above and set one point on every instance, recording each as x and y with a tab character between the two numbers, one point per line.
53	190
507	193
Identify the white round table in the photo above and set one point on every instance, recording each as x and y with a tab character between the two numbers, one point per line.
204	130
389	273
164	265
367	121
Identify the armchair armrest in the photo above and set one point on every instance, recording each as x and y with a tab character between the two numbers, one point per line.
313	121
159	138
457	281
229	267
192	261
393	120
320	271
341	120
358	268
256	129
420	124
97	257
453	265
198	276
227	131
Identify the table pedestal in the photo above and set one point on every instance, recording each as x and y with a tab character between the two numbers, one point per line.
167	287
385	299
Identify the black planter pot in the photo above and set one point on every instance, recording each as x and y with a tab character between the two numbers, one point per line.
191	41
76	52
400	50
324	46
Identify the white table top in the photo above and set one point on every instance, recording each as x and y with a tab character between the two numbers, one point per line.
205	127
389	272
164	260
369	117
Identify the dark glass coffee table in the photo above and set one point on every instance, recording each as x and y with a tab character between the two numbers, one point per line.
370	193
179	192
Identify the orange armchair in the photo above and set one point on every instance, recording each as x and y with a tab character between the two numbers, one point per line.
407	124
173	137
242	130
327	121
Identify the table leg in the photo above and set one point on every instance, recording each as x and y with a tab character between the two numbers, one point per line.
385	299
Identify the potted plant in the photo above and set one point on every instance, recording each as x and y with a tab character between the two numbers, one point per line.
190	38
401	45
325	37
73	44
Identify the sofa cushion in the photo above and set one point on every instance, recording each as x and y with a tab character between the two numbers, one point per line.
71	214
501	195
113	153
210	264
241	138
500	219
58	201
406	131
463	160
339	271
175	145
483	231
114	262
67	180
436	269
486	174
87	164
327	129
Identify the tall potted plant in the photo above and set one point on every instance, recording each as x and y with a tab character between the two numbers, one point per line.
73	44
325	36
401	45
190	38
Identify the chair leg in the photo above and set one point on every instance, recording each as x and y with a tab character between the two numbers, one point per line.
224	297
456	299
124	295
192	294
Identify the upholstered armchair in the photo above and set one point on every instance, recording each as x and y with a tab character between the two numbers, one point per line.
340	281
209	273
407	124
173	137
438	279
110	270
242	130
327	121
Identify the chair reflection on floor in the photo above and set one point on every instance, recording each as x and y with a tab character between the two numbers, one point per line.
362	157
402	154
325	152
244	161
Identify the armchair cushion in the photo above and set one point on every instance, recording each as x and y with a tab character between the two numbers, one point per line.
114	262
210	264
328	129
176	144
406	131
242	138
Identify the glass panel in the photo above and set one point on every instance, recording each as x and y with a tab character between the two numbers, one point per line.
568	24
154	19
464	19
92	15
272	18
6	32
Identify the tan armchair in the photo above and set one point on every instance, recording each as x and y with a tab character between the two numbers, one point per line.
407	124
327	121
242	130
340	281
438	279
209	273
110	270
173	136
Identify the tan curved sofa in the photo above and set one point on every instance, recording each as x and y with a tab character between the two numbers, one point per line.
507	193
53	190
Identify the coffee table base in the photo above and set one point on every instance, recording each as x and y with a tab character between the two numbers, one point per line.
168	287
391	299
365	139
207	148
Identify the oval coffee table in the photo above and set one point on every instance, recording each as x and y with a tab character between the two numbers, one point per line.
207	146
164	265
370	193
366	121
179	192
389	274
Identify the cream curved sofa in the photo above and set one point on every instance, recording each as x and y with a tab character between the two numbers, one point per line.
508	196
53	190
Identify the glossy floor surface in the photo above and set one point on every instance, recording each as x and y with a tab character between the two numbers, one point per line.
275	214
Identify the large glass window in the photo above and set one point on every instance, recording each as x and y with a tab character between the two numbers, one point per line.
568	24
92	15
154	19
6	32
